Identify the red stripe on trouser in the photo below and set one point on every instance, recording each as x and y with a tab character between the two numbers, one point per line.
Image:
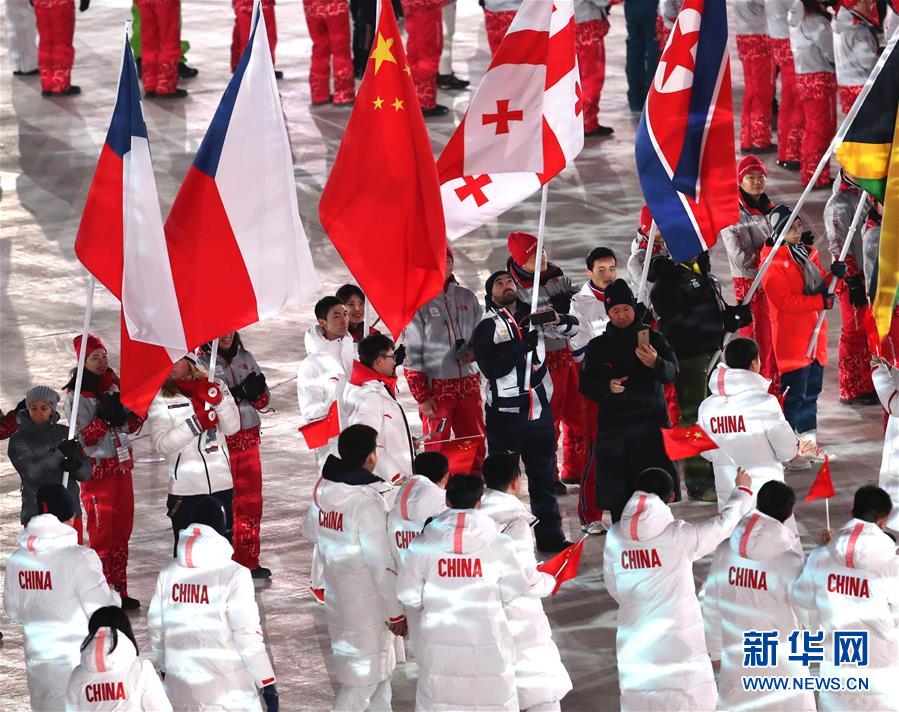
671	404
789	112
591	58
243	18
817	96
331	43
109	505
567	411
160	27
758	78
423	50
855	358
246	472
497	25
464	418
760	328
56	54
586	505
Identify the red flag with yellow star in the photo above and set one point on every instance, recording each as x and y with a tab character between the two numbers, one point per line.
681	443
381	205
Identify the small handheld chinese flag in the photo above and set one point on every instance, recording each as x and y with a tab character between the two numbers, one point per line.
319	432
564	565
460	453
822	487
870	326
681	443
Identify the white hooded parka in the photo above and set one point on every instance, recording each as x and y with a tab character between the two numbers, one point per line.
886	383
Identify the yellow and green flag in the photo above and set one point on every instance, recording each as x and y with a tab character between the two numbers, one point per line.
870	153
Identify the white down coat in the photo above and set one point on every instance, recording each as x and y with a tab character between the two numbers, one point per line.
590	312
114	679
663	663
852	584
52	588
539	673
195	465
749	428
463	574
348	522
204	627
321	378
748	589
886	383
416	501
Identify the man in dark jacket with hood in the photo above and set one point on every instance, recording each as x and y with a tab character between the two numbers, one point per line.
694	318
519	418
626	380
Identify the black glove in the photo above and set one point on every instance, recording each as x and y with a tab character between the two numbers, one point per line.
21	406
858	297
238	392
71	464
111	411
561	303
253	386
84	5
827	297
807	238
399	354
270	695
70	449
838	269
736	317
532	338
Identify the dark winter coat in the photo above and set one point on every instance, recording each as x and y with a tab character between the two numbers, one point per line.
612	355
32	451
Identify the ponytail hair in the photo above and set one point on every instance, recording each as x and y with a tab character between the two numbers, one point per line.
111	617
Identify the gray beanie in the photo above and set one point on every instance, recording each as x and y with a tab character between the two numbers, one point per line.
44	394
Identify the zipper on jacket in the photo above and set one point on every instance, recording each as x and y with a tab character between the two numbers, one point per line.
200	451
177	462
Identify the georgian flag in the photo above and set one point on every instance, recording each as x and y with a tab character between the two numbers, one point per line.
524	124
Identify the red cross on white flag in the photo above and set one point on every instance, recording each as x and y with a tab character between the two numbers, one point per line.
524	124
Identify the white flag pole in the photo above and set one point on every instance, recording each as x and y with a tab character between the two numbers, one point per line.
642	296
79	372
827	511
859	211
834	144
535	291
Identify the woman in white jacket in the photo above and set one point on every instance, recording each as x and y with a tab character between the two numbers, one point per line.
192	439
111	676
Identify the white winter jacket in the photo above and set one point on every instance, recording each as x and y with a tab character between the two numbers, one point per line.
744	241
463	575
113	679
852	584
886	383
589	308
855	47
233	373
196	465
539	673
52	588
663	663
348	521
367	400
749	17
416	501
748	589
204	627
838	213
748	426
776	12
811	41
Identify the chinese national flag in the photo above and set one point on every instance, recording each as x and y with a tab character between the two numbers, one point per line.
681	443
381	206
822	487
319	432
460	453
564	565
869	324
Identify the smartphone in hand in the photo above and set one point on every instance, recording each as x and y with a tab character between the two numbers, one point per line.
642	338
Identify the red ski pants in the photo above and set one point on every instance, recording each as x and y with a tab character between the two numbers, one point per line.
818	98
497	26
855	358
848	95
789	113
246	472
591	56
160	40
331	43
464	418
758	76
567	407
108	504
423	50
760	328
586	504
243	20
56	54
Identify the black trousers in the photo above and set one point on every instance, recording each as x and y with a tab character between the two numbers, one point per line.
622	453
180	509
534	441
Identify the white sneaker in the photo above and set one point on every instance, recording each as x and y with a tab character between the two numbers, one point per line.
594	528
798	463
813	452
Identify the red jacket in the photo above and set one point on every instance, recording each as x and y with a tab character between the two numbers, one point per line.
793	314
